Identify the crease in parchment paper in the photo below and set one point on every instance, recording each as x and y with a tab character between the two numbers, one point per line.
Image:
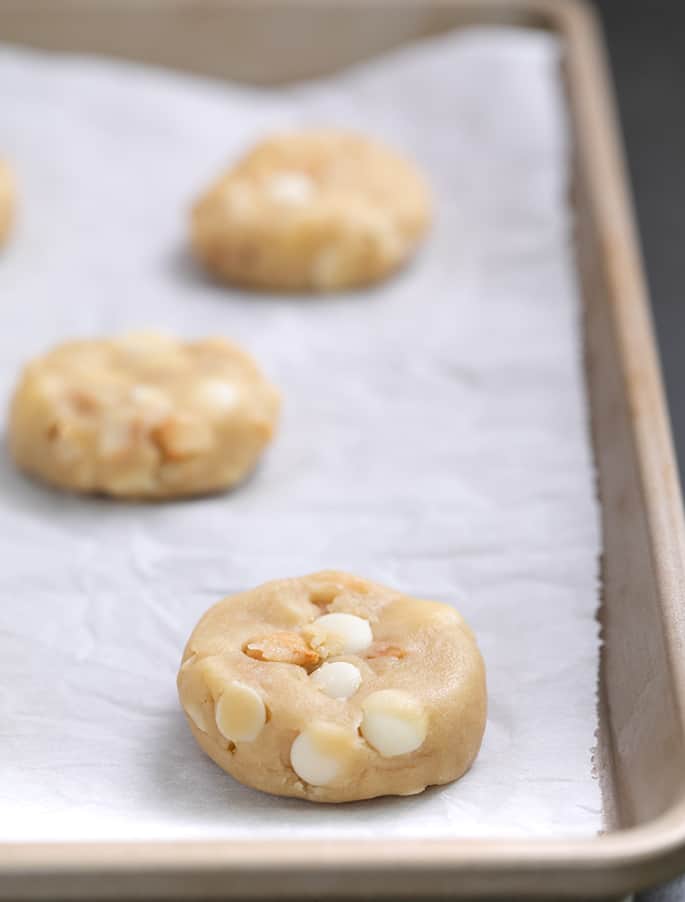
434	438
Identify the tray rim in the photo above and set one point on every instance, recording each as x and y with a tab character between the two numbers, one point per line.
614	863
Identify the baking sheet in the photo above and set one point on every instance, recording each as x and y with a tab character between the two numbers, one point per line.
434	438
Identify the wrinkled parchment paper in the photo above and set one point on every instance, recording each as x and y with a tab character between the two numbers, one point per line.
434	438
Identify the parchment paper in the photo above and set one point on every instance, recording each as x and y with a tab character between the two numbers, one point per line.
434	438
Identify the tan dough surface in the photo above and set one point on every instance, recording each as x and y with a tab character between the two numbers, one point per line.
420	650
142	416
7	201
316	210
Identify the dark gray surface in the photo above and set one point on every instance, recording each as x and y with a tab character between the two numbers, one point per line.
647	50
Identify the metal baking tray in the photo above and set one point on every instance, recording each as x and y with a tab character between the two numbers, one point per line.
640	756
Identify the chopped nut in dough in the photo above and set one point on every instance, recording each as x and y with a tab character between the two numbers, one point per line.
385	650
284	648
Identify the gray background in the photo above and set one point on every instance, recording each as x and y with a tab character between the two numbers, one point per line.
647	50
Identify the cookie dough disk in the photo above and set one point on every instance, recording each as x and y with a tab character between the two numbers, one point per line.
7	201
142	416
316	210
414	718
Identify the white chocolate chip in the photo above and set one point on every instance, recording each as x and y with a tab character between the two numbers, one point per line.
290	188
339	679
114	436
240	713
218	394
310	764
148	394
339	634
151	402
197	714
394	722
321	752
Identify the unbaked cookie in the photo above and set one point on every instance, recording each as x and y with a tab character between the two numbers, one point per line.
332	688
316	210
142	416
7	201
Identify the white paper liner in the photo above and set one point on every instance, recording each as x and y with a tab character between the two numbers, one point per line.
434	438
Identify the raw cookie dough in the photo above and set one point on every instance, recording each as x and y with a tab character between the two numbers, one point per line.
142	416
332	688
315	210
7	201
